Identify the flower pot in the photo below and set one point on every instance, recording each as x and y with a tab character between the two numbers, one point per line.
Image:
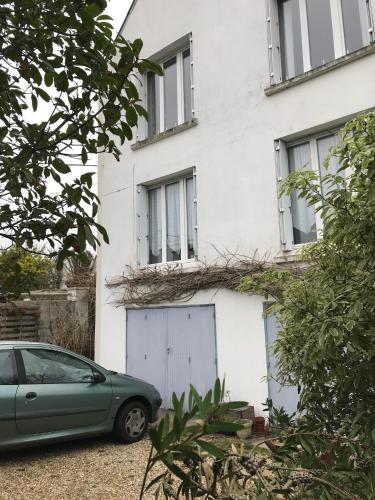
259	424
245	433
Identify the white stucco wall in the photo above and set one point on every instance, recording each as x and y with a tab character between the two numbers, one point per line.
232	149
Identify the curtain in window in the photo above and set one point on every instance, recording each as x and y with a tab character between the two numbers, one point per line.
172	195
170	94
303	216
155	229
190	218
323	146
319	21
290	38
356	25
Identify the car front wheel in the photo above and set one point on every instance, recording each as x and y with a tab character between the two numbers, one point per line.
131	422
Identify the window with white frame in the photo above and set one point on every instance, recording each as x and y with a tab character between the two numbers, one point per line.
299	222
169	97
314	32
171	208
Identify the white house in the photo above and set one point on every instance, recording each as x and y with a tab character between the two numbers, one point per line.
252	89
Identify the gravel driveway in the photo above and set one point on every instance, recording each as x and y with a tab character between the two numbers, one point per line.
87	469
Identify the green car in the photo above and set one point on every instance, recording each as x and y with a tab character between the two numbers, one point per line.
49	394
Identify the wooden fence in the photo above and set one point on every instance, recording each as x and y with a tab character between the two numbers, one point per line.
19	321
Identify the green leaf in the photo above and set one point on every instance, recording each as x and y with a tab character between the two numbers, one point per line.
127	131
155	439
48	78
131	116
234	405
211	449
103	232
61	167
306	445
147	65
156	480
43	94
34	102
217	392
131	90
223	427
137	46
197	399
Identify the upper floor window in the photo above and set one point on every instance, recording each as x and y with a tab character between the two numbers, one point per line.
315	32
299	222
169	99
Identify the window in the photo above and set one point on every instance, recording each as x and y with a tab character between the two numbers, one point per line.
299	221
315	32
44	366
172	221
7	369
169	97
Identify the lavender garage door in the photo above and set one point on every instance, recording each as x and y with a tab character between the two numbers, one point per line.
172	347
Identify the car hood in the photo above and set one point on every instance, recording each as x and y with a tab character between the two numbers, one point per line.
124	376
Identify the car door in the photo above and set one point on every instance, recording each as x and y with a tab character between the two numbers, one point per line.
8	390
57	392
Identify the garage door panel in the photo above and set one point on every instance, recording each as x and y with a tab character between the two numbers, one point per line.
147	345
178	363
282	396
203	348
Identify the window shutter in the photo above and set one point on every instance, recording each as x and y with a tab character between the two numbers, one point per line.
141	85
370	4
285	214
273	38
142	226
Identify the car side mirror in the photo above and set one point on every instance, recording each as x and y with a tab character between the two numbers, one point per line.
98	378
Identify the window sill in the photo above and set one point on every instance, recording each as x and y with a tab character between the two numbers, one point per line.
164	135
290	256
177	265
321	70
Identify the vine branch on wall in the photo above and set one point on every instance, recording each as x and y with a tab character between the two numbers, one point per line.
173	282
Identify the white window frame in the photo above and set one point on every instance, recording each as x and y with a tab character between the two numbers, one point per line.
143	220
274	44
282	171
180	87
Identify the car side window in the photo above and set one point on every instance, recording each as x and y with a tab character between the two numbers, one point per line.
44	366
8	375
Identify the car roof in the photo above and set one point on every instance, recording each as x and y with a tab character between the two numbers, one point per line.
24	343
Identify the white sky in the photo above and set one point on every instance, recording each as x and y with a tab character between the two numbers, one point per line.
118	9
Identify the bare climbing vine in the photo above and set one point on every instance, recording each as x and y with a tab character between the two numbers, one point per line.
174	282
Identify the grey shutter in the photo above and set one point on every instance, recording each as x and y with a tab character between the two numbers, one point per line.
140	83
285	213
142	225
273	38
370	4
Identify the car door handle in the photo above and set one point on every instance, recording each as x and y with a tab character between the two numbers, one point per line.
31	395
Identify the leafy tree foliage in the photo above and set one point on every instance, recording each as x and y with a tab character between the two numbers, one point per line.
60	53
21	272
327	342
